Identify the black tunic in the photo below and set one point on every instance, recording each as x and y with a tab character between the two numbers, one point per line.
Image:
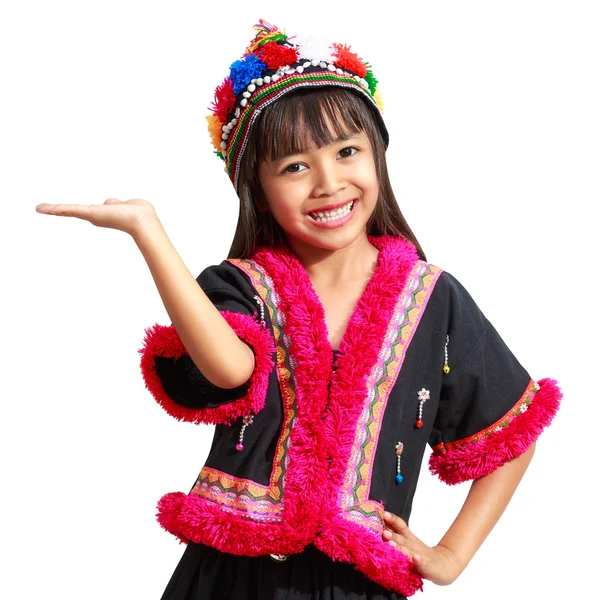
204	572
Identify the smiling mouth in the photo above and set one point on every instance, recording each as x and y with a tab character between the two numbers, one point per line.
332	215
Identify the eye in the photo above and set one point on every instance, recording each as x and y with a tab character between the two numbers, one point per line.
348	148
287	169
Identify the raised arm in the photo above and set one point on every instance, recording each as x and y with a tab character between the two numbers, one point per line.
211	343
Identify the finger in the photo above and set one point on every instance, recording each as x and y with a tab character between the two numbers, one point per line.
400	548
395	522
80	211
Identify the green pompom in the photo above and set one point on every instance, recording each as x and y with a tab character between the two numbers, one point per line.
372	81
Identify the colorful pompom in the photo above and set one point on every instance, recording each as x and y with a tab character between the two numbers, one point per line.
266	33
346	59
215	129
372	81
224	101
378	100
275	55
243	71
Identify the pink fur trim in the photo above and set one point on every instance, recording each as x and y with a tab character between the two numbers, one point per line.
163	340
388	566
471	461
191	518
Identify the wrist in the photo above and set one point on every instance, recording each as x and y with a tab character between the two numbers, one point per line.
145	227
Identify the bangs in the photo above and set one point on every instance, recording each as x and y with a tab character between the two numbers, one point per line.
308	118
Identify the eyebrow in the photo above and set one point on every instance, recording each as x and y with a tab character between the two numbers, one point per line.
342	138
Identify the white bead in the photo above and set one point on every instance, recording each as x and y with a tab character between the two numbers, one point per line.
275	77
225	136
322	64
300	69
243	102
233	122
259	81
267	79
246	94
357	78
307	64
339	71
251	87
237	112
331	67
223	145
253	81
314	62
224	128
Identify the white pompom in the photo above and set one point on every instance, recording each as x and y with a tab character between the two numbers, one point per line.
314	47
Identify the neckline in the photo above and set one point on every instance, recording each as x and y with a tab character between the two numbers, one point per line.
393	250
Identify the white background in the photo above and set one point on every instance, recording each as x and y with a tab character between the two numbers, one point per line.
494	157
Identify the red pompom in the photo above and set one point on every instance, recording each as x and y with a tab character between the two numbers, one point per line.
419	423
275	55
224	100
346	59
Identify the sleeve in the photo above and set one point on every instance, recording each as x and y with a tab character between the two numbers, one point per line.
173	378
490	409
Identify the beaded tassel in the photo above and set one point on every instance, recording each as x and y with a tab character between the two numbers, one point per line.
423	396
399	449
248	419
446	368
262	310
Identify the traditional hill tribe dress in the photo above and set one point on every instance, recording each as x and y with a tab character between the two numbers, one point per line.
308	454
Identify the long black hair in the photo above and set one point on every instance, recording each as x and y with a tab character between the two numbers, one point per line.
287	127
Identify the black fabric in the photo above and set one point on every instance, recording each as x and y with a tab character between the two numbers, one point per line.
485	381
204	573
228	289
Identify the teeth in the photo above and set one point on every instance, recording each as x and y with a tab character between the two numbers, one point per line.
333	215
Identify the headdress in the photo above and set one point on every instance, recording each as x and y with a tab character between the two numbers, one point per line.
271	66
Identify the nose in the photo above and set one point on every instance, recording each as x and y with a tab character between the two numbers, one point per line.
330	178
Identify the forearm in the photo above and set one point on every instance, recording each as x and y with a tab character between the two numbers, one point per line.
487	499
212	344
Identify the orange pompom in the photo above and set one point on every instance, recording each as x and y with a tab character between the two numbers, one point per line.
215	129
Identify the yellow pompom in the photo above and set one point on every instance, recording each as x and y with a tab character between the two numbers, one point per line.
446	369
378	100
215	129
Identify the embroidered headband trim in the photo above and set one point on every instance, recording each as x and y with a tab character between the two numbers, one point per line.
271	67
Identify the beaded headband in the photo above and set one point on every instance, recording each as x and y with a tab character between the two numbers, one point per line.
272	66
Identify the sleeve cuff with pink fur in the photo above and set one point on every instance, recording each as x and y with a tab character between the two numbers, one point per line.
211	404
482	453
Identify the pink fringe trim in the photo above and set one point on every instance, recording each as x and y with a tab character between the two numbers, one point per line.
191	518
163	340
471	461
387	566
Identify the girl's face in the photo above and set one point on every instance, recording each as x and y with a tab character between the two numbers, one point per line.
323	197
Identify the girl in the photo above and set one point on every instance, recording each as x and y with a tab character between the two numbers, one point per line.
327	351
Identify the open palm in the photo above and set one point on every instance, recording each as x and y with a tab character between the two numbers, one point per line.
125	215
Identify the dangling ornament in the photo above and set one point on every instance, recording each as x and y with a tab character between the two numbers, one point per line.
399	449
423	396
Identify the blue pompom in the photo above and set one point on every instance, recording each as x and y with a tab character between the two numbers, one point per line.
398	478
243	71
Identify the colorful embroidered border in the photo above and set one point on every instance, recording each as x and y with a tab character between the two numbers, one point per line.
269	94
520	407
255	501
407	314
